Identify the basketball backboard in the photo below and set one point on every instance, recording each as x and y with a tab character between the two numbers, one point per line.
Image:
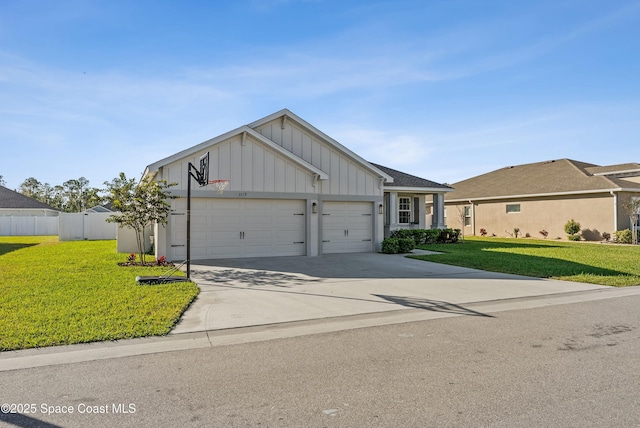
203	174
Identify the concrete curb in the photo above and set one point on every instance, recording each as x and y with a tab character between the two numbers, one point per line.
30	358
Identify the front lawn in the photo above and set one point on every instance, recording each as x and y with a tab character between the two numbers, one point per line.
595	263
58	293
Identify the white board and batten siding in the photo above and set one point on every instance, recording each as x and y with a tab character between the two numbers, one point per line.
292	192
346	176
250	167
227	228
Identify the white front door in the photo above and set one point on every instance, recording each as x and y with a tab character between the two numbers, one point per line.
347	227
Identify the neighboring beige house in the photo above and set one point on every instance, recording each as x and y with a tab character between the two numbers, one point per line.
544	196
293	191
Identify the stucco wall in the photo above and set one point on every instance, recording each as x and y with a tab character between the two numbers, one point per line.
595	213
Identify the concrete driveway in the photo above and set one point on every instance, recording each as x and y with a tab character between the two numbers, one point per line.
260	291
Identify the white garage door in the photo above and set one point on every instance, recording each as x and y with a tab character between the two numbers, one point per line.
225	228
347	227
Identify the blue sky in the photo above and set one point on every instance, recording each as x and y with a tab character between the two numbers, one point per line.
445	90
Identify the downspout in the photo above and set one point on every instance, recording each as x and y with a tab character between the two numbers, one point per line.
615	211
473	218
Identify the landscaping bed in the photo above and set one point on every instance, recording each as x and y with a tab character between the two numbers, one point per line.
60	293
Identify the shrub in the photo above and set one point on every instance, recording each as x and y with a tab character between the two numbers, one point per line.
606	236
624	236
574	237
483	232
402	233
405	245
516	231
390	246
572	228
431	236
426	236
419	236
544	233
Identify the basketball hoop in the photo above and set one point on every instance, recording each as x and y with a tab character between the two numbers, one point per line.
219	185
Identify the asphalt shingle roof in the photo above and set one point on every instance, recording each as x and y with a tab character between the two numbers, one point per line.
555	176
613	168
11	199
401	179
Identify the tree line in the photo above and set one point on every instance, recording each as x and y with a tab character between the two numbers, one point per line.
75	195
137	205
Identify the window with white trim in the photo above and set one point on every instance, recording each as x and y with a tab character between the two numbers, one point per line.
513	208
467	216
404	210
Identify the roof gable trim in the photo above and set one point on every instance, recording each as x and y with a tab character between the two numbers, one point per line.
245	131
286	114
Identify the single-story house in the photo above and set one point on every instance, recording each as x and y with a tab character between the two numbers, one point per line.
293	190
22	215
543	196
16	204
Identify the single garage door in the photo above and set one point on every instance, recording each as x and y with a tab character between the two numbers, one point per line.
225	228
347	227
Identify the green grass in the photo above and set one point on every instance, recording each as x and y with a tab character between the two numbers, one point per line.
58	293
605	264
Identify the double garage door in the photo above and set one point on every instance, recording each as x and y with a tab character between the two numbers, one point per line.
224	228
229	228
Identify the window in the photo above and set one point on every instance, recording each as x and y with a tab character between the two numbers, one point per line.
404	210
513	208
467	216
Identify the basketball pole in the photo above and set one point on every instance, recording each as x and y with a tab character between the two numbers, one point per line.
201	177
189	175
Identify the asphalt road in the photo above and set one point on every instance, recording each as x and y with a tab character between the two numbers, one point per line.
572	365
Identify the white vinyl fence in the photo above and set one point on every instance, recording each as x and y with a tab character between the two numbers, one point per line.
28	225
87	225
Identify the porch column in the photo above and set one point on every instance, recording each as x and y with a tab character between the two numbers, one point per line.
393	209
438	211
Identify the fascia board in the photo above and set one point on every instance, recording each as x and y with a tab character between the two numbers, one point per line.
154	167
323	136
540	195
416	189
191	150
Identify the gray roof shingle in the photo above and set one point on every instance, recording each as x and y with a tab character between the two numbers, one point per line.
11	199
402	179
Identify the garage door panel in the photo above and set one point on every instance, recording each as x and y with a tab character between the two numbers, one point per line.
222	228
347	227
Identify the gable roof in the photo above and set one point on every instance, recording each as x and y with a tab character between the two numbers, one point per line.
560	177
404	180
288	114
14	200
238	131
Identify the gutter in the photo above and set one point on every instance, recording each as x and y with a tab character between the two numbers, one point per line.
538	195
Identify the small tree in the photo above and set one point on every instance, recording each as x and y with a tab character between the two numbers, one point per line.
139	205
572	228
